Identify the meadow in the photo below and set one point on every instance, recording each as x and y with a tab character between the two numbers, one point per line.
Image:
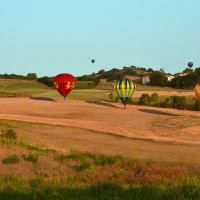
85	148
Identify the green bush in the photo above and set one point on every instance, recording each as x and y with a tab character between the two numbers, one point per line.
104	160
12	159
197	105
114	97
73	156
180	102
85	164
154	98
145	99
31	158
9	134
167	103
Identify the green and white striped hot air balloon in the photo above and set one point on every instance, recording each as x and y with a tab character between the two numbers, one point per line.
125	89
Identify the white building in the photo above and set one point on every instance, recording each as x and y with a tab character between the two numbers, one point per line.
169	78
145	80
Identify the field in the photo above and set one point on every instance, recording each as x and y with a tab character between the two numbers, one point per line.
86	146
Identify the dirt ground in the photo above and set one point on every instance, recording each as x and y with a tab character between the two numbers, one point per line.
88	121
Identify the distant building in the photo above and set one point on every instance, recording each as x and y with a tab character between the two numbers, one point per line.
183	74
145	80
169	78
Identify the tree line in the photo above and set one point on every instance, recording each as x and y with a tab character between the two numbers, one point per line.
157	78
187	81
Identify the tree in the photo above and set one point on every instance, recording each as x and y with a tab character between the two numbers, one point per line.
46	80
158	78
31	76
150	70
101	71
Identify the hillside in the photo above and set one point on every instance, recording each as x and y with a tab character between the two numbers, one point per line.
16	87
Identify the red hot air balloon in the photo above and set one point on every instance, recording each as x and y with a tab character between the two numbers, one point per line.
64	83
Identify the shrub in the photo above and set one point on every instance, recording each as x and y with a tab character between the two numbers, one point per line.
12	159
114	97
9	134
154	98
104	160
31	158
197	105
180	102
145	99
85	164
167	103
36	182
72	156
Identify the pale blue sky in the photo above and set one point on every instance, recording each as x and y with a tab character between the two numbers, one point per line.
49	37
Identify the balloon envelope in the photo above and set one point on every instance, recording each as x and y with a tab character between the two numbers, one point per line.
125	89
64	83
92	60
197	91
190	64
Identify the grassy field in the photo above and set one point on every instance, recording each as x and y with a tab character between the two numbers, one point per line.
32	172
45	163
10	87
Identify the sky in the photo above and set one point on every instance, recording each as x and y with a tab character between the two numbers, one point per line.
49	37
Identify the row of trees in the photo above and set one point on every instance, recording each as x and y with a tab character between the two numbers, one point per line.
183	82
157	78
29	76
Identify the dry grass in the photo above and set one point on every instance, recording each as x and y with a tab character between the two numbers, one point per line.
122	171
178	122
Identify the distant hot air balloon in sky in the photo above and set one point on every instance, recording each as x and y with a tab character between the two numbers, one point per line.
125	89
190	64
197	91
64	83
93	60
162	70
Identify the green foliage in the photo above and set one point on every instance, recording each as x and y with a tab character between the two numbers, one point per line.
12	159
145	99
197	105
36	189
31	76
149	70
84	85
187	81
73	156
154	98
158	78
31	157
36	182
46	80
9	134
114	97
85	164
104	160
178	102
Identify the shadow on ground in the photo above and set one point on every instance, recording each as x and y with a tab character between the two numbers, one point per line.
42	98
157	112
101	103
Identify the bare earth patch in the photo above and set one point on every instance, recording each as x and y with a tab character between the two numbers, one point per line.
85	124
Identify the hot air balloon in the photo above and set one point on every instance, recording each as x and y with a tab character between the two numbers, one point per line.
64	83
197	91
190	64
93	61
125	89
162	70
